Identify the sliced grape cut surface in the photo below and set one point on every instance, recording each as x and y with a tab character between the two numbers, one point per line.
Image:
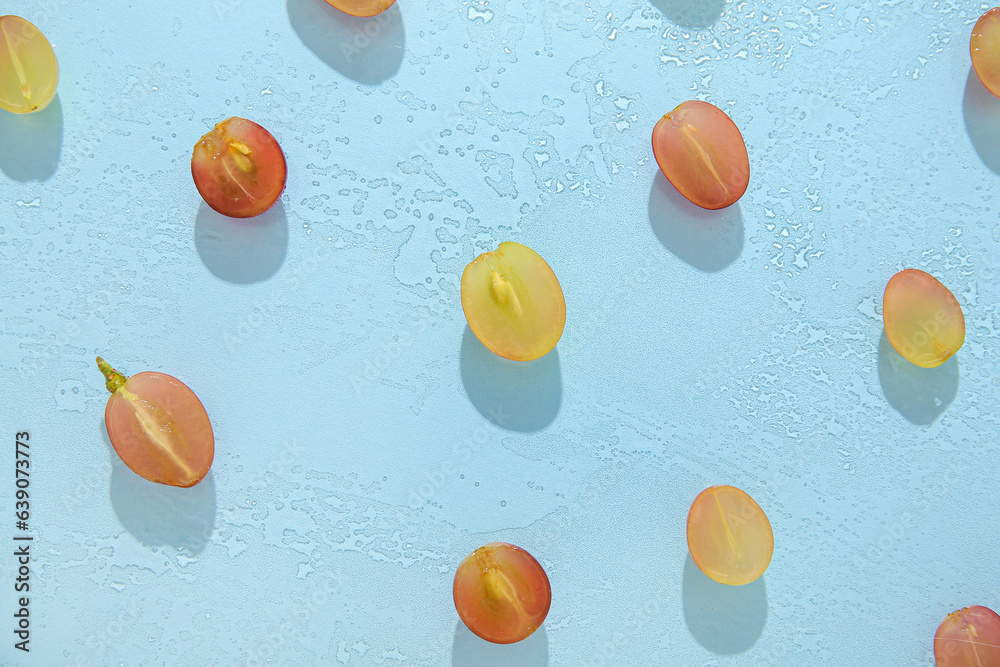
501	593
702	153
29	70
513	302
239	168
923	319
729	536
158	427
984	47
969	637
361	8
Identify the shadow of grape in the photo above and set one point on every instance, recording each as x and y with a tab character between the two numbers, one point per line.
691	13
981	110
159	515
471	651
367	50
515	395
921	395
242	250
30	143
707	240
724	619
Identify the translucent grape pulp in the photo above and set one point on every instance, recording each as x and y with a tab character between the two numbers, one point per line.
362	8
239	168
29	70
513	302
984	47
702	153
158	427
923	319
969	637
729	536
501	593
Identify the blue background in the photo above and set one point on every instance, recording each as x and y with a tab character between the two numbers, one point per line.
366	442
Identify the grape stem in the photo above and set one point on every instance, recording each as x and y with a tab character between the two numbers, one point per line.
114	379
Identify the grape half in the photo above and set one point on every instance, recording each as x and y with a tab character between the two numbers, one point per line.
158	427
501	593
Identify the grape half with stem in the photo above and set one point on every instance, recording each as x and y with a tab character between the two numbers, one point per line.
158	427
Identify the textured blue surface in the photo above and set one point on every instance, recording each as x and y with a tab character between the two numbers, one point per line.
366	441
